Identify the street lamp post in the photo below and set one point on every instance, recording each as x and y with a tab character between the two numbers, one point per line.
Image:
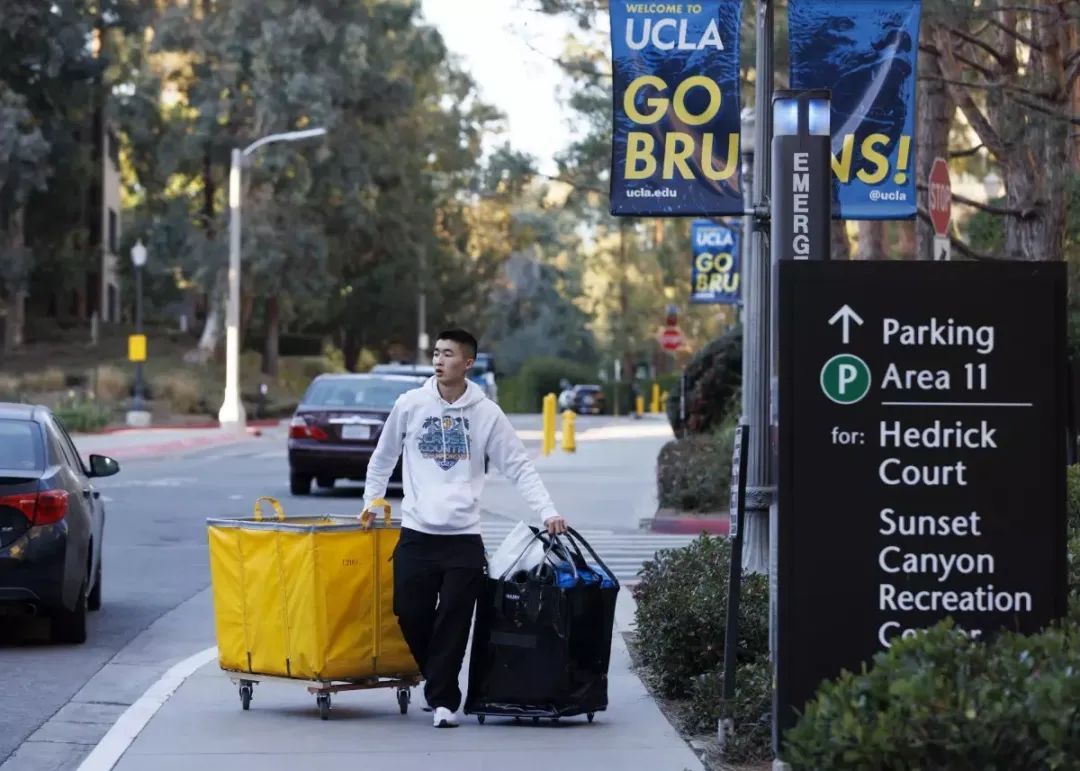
138	414
231	416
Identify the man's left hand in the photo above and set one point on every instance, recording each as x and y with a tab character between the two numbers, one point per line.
556	526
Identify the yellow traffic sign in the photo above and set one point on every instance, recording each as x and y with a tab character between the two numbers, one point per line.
137	348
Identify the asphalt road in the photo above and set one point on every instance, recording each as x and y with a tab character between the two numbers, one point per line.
155	559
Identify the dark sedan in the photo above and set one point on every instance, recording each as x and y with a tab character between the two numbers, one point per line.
588	400
52	522
337	425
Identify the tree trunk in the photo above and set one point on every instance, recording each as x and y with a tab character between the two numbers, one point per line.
211	334
247	310
350	348
15	317
871	240
1029	138
907	240
841	246
270	349
934	116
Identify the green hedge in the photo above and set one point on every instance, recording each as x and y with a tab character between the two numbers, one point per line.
682	613
713	382
941	701
694	473
83	416
525	391
681	627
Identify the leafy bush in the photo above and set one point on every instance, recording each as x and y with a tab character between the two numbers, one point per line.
1072	498
52	379
83	416
713	379
110	383
749	734
682	610
694	473
940	700
181	391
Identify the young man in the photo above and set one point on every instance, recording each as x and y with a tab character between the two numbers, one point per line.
446	428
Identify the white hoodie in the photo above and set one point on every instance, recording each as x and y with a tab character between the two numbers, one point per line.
445	445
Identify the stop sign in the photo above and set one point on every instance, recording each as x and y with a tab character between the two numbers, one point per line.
939	190
671	339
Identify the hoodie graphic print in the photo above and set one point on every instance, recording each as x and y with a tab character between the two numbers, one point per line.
444	446
444	440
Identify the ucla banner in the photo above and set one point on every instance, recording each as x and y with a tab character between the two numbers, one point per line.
675	138
715	274
864	52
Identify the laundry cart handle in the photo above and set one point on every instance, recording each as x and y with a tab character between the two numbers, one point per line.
279	512
367	518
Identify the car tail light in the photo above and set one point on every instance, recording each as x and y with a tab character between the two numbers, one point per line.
44	508
52	506
299	429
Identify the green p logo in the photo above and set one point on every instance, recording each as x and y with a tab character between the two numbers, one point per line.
845	378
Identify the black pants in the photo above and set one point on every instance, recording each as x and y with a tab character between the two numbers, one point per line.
437	579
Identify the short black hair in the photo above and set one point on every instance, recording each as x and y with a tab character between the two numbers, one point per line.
464	338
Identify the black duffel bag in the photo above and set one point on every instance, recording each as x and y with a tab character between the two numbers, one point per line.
542	637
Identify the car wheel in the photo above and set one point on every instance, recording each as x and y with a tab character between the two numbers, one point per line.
326	483
69	626
300	484
93	602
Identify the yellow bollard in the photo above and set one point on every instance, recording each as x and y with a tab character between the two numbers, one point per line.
549	424
639	408
568	419
655	398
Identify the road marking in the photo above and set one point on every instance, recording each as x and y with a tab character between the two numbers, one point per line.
130	724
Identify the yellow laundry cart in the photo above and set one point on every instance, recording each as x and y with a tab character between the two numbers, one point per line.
311	600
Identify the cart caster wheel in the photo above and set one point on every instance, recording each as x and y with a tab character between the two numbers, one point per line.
323	700
517	721
403	699
590	716
536	721
245	696
481	718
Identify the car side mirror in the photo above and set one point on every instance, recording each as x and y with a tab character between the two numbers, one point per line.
102	466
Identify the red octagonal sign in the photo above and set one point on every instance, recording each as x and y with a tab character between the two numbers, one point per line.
671	338
940	196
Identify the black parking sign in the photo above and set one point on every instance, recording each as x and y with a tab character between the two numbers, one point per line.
921	457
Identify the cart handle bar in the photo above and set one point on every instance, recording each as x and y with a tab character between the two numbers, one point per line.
279	512
368	515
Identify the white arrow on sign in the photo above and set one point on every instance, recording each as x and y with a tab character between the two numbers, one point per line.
846	315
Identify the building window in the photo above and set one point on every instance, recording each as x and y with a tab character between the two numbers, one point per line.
113	235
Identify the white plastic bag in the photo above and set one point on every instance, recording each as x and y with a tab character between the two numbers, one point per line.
520	550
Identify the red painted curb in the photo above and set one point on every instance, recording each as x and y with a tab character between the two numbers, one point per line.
268	423
691	525
168	448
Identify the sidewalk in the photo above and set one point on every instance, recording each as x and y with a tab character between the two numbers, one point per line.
608	482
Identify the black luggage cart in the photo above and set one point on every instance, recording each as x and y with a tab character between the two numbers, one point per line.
542	651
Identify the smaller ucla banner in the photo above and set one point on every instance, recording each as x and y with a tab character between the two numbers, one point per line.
675	116
864	52
715	273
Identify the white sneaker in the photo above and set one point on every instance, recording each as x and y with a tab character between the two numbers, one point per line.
444	718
